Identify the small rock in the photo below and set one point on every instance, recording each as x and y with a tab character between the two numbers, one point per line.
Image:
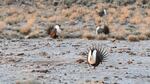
41	71
120	63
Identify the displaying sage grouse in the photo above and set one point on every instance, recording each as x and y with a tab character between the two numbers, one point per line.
54	31
102	12
96	55
102	29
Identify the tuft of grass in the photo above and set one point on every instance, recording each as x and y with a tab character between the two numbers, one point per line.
145	31
87	35
147	34
71	33
2	26
133	38
146	20
34	33
27	82
74	15
118	36
101	37
56	18
26	29
137	18
14	19
142	37
119	33
124	13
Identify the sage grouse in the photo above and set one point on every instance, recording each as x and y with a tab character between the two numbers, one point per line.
102	29
96	55
54	31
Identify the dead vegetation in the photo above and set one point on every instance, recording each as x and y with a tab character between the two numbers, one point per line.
133	38
26	29
68	14
2	26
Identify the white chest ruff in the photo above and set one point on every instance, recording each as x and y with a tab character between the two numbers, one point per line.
57	29
92	57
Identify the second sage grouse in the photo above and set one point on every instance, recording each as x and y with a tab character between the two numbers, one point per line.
102	29
54	31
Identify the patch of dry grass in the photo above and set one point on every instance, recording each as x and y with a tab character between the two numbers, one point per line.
147	11
26	29
118	36
137	18
71	33
14	19
74	15
123	14
118	33
110	18
34	33
101	37
88	35
142	37
56	18
133	38
145	31
2	26
146	20
27	82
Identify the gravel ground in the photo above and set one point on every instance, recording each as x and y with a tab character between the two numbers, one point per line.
51	61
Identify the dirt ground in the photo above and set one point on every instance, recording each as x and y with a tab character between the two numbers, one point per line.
53	61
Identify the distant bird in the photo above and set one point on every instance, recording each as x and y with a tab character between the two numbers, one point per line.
54	31
144	1
96	55
102	29
102	13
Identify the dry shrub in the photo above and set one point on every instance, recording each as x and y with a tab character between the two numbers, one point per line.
124	13
27	82
87	18
145	31
137	18
8	1
56	18
75	11
147	11
133	38
88	35
110	18
112	11
71	33
26	29
146	20
14	19
74	15
34	33
66	12
142	37
118	36
118	33
82	10
101	37
12	10
2	26
97	19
